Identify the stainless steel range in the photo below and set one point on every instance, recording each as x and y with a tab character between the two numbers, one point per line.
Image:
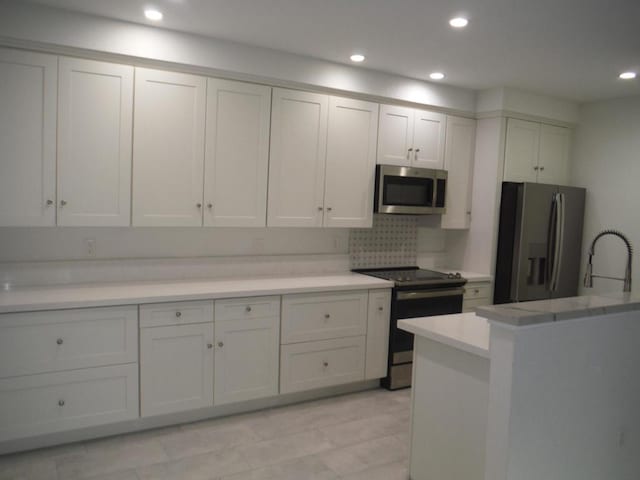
417	293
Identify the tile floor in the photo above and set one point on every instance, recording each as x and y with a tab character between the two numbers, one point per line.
358	436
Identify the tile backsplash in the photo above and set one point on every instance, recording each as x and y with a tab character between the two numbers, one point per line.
392	242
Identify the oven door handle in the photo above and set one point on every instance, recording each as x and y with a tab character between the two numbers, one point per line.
415	295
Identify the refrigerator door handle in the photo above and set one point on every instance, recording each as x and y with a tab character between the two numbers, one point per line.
551	248
557	261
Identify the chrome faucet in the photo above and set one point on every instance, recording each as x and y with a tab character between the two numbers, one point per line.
588	276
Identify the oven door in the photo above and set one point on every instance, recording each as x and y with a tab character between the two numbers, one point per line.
418	303
405	190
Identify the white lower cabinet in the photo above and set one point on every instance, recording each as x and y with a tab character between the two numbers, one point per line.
247	338
309	365
53	402
476	294
176	368
377	334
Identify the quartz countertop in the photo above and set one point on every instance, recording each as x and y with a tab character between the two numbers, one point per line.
23	299
544	311
464	331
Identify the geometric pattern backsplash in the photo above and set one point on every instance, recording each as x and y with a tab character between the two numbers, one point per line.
390	243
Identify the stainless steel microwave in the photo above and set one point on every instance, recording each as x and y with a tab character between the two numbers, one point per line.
410	191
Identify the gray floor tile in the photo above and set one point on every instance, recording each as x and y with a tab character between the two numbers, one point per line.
194	441
305	468
208	466
357	431
390	471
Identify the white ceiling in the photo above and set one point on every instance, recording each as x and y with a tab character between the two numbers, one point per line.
568	48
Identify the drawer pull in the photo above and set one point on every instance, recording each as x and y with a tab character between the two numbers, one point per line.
61	403
380	309
475	290
220	344
59	341
209	345
248	309
325	364
326	315
178	314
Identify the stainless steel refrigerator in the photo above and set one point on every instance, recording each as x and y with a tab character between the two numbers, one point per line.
539	242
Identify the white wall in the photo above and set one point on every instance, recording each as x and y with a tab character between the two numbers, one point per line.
38	26
606	160
514	102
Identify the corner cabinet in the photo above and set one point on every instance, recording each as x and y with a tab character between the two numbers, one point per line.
237	154
458	161
168	148
410	137
27	138
95	115
322	163
536	152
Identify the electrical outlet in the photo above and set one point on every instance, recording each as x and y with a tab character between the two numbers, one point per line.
90	247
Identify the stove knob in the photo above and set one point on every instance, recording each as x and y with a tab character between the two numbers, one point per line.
450	275
458	275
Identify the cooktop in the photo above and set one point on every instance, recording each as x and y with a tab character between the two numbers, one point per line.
414	276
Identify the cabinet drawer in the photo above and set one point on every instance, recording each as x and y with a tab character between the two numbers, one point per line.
178	313
39	342
307	317
469	305
247	308
53	402
477	290
305	366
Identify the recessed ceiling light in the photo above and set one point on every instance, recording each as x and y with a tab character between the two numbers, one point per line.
628	75
436	76
459	22
153	14
357	57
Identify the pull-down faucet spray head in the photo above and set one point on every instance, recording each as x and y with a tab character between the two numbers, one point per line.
588	276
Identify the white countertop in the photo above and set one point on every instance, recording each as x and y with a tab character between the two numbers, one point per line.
545	311
464	331
470	276
23	299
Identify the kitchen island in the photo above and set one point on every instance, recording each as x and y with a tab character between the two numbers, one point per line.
545	389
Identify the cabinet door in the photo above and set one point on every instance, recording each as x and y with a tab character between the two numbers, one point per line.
237	154
395	136
168	148
95	115
296	166
554	155
521	151
351	159
377	351
428	139
27	138
176	368
458	161
247	359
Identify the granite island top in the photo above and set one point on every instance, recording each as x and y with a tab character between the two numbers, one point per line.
544	311
24	299
464	331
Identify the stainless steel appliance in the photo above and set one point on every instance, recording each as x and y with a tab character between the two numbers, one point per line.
416	293
408	190
539	242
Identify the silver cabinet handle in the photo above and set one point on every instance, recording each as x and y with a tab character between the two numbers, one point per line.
49	202
417	150
61	403
178	314
329	209
380	309
325	364
320	209
59	341
326	315
541	168
63	203
209	345
220	344
209	206
199	205
248	309
409	153
535	168
475	290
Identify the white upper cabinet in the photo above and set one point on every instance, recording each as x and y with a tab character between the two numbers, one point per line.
350	167
237	154
458	161
428	139
554	155
296	167
395	137
95	115
535	152
410	137
168	148
27	138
